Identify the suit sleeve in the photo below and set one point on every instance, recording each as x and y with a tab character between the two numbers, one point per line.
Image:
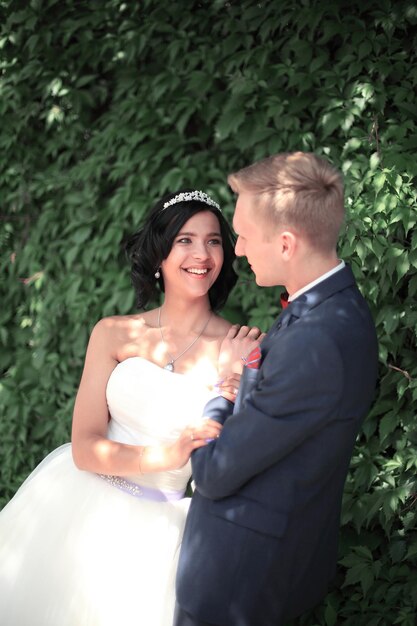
297	394
218	409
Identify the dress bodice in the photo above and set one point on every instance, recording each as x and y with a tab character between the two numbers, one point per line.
148	406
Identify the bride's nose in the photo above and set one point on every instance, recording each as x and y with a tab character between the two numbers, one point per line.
200	251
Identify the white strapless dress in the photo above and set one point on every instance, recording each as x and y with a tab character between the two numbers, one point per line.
77	549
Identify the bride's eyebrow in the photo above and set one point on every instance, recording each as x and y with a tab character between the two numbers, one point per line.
190	234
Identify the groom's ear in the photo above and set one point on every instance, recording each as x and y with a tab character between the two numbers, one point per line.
287	244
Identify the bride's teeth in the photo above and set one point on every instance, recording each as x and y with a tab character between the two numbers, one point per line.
195	271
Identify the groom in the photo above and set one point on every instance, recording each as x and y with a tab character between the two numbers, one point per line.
260	543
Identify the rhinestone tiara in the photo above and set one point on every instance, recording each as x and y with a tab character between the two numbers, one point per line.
186	196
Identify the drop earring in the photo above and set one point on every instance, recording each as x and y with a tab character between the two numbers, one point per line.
157	274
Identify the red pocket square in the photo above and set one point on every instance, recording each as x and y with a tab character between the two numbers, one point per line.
253	361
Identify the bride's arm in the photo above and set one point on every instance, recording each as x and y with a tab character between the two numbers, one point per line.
91	448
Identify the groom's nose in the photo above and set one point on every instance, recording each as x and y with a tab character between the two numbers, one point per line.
239	247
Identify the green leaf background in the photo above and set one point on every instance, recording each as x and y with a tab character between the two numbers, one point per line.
106	106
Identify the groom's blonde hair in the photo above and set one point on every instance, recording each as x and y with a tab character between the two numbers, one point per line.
297	190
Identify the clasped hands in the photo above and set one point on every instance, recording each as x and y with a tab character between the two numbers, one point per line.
235	347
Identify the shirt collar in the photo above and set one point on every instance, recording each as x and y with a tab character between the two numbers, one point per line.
317	281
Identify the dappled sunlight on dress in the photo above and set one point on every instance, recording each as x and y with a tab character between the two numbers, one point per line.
78	550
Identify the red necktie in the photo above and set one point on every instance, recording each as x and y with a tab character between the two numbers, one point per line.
284	299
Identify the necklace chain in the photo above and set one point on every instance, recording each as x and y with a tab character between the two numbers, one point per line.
170	365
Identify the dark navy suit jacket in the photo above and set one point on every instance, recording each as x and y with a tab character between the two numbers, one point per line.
260	543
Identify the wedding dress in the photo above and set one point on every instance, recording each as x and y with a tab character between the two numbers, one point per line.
80	549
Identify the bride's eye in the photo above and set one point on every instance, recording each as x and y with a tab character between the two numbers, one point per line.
216	241
184	240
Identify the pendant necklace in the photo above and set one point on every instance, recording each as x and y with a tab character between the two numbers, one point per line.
170	365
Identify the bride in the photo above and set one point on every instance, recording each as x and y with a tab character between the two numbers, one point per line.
92	536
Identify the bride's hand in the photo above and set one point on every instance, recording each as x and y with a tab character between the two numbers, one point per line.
190	439
238	343
229	387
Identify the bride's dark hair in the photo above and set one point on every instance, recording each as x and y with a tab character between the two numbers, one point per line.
148	247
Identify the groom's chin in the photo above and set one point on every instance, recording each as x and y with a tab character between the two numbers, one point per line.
263	282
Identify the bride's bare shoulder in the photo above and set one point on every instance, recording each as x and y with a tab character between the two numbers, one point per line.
123	336
125	326
221	326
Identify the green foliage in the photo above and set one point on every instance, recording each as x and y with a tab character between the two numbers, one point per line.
106	106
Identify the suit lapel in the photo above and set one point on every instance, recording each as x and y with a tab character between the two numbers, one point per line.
296	309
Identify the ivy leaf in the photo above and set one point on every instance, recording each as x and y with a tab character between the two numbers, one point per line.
387	425
397	551
229	122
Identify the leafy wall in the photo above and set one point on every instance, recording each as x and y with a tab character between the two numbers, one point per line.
106	106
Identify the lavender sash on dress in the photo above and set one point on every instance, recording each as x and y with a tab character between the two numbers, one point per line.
139	491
